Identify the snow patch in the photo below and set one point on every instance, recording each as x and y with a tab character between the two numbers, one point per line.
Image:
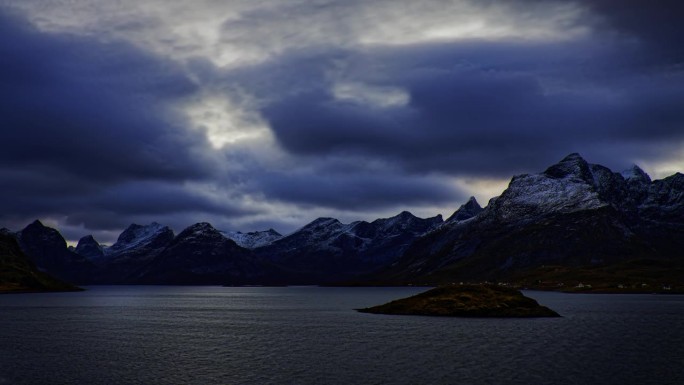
135	236
252	239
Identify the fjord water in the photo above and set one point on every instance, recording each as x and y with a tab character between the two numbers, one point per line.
312	335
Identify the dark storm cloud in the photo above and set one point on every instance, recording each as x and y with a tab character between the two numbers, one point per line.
155	198
113	208
655	23
93	132
357	191
88	131
95	109
483	108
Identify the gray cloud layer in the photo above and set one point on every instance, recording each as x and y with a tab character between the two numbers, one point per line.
355	110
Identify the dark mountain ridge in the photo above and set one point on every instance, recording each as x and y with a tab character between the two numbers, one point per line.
19	275
200	254
573	214
136	247
327	250
48	250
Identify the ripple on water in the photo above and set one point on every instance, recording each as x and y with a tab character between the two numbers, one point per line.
309	335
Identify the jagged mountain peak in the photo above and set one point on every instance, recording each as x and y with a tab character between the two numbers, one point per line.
567	186
38	228
136	231
405	214
200	226
87	239
89	248
574	213
467	210
321	222
472	203
402	219
36	224
136	236
201	231
572	166
46	247
636	173
573	157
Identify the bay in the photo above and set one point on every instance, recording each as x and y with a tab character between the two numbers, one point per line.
312	335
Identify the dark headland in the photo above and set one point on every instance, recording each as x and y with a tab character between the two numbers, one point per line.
466	301
19	275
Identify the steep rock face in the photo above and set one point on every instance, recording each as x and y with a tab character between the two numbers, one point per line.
19	274
662	214
563	188
388	238
136	247
47	248
200	254
253	239
89	248
665	199
467	210
328	250
137	238
314	251
574	213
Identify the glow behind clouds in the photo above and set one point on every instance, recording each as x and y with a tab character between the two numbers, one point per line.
256	114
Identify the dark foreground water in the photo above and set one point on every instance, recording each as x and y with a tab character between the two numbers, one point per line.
311	335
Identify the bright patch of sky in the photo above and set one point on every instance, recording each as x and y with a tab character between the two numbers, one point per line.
290	104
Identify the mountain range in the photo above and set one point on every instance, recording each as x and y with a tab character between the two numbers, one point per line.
573	214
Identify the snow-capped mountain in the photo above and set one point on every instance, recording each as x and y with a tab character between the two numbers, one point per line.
200	254
136	246
253	239
563	188
574	213
327	250
136	237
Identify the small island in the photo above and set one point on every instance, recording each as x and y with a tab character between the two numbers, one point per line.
466	301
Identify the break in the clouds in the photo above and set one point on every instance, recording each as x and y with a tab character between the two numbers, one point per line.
267	114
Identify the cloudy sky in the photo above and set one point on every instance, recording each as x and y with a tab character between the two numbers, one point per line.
256	114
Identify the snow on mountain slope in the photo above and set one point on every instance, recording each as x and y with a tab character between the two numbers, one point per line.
136	236
565	187
572	214
253	239
333	247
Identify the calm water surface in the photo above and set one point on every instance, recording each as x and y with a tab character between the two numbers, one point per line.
311	335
